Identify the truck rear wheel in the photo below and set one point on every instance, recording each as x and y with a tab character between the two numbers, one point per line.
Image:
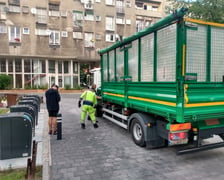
137	133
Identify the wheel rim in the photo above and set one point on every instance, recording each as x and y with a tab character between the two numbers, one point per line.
137	132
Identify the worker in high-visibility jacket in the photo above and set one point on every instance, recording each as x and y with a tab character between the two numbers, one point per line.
88	106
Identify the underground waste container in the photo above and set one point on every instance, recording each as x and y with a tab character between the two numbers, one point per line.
15	135
31	103
25	108
34	98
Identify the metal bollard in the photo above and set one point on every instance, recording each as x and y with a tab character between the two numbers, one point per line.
59	126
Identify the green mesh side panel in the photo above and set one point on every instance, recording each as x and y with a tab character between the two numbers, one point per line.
166	62
217	54
120	64
133	61
147	57
196	52
111	65
105	70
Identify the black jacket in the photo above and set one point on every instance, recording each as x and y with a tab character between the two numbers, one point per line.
52	99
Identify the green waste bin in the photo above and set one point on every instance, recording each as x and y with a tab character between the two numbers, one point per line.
15	135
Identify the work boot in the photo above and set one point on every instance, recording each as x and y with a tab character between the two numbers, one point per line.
83	126
95	125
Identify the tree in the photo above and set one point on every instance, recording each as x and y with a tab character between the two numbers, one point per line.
207	10
5	81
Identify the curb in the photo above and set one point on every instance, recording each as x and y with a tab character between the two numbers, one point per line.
46	151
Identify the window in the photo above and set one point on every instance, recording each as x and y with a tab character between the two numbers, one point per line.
110	38
2	12
154	8
110	2
66	67
10	65
54	38
41	15
88	4
14	34
41	32
64	34
43	66
27	66
14	2
77	35
2	65
110	23
26	30
25	9
14	9
98	1
60	67
3	28
139	25
120	6
77	18
75	67
89	41
54	7
51	66
63	13
120	20
98	37
54	13
142	24
128	4
18	65
128	21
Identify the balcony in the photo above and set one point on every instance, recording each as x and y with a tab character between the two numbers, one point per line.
120	10
41	19
14	2
142	12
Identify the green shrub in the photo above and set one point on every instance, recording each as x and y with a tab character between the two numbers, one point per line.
5	81
67	87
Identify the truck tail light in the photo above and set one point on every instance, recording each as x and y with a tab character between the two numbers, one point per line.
173	136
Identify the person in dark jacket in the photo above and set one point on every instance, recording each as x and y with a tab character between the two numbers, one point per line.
52	101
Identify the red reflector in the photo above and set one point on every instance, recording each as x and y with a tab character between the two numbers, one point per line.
178	135
210	122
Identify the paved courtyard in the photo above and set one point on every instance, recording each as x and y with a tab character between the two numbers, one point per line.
108	153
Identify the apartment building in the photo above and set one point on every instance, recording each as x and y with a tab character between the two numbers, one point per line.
55	41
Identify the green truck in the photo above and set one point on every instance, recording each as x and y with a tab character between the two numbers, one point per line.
165	84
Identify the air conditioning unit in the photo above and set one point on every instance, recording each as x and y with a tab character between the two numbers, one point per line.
98	18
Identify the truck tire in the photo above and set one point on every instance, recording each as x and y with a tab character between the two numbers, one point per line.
137	133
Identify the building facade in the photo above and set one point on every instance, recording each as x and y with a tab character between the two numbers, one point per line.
56	41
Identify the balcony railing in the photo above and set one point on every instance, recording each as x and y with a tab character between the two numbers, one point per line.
41	19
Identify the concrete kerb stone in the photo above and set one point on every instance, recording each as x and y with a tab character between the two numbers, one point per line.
46	150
